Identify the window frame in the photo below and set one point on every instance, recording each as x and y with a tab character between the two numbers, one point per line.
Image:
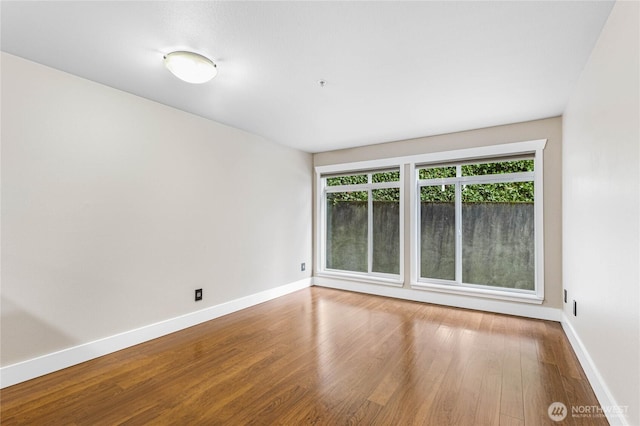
533	149
407	166
459	182
322	173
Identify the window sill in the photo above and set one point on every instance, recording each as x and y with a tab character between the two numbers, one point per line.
479	292
370	279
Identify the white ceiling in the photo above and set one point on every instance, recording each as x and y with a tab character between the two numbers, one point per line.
394	70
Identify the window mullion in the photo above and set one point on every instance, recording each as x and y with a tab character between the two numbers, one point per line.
348	188
441	181
417	220
498	178
323	224
384	185
458	209
370	228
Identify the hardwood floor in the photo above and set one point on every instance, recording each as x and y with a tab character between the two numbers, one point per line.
322	356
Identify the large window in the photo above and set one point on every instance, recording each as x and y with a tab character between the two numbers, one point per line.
361	219
477	223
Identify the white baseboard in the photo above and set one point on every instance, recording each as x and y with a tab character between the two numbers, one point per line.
600	388
459	301
32	368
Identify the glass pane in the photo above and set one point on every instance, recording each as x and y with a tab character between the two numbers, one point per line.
498	235
386	230
437	172
347	220
498	167
347	180
508	192
438	193
438	232
390	176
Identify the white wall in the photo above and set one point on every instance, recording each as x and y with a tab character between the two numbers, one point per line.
115	209
600	202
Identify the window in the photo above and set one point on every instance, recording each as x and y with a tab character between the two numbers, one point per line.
477	224
362	223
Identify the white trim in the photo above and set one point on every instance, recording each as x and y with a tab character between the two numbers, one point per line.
362	187
414	224
458	229
32	368
512	295
538	193
458	154
600	388
320	230
534	147
480	179
457	285
362	277
370	241
402	190
321	225
459	301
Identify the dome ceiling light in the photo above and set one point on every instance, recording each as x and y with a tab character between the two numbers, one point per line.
190	67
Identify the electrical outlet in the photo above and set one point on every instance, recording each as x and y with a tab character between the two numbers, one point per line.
565	295
303	266
198	294
575	308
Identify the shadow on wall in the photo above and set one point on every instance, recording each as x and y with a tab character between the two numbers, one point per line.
23	334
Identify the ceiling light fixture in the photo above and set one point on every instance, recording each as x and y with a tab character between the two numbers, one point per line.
190	67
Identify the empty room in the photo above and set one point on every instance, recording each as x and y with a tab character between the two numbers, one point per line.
332	212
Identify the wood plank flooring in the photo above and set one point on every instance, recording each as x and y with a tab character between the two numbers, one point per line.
327	357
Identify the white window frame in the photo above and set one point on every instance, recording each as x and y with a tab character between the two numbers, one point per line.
534	147
490	153
322	189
